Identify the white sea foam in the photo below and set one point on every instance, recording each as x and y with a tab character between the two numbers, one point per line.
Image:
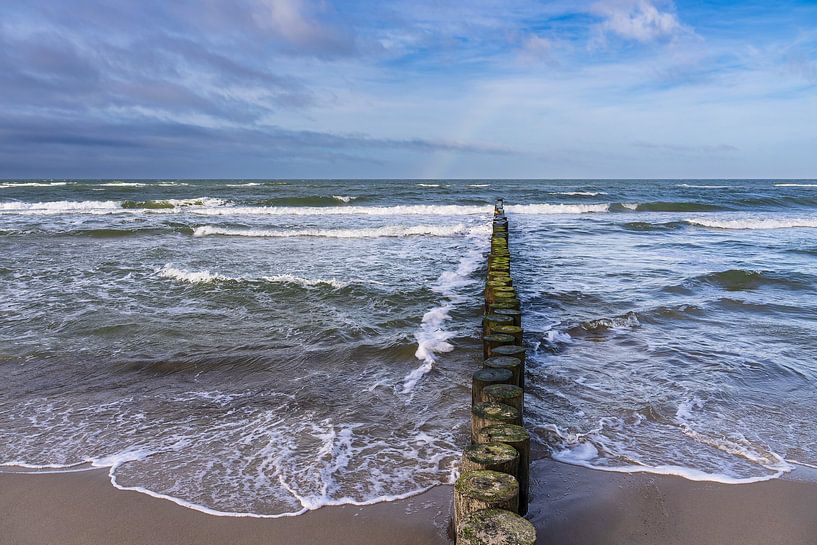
580	193
13	185
105	207
556	208
343	198
305	282
206	277
123	184
694	186
247	184
555	336
59	207
398	210
428	185
432	337
478	185
755	223
795	185
585	454
371	232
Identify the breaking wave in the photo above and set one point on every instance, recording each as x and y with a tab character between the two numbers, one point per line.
755	223
372	232
206	277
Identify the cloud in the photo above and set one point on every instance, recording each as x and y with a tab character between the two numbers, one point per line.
536	49
639	20
294	22
702	149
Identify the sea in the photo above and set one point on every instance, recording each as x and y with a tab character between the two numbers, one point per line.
267	347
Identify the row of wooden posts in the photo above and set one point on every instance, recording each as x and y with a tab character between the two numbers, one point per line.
491	494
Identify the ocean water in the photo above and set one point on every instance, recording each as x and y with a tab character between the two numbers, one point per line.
263	348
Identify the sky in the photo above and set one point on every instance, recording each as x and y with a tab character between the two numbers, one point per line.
414	89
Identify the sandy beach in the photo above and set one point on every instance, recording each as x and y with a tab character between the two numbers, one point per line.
571	505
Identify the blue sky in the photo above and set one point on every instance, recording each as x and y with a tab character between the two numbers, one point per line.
421	89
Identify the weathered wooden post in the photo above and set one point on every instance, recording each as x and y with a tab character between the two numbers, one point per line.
489	321
477	490
519	438
495	527
514	365
506	394
492	341
486	377
490	414
491	456
515	315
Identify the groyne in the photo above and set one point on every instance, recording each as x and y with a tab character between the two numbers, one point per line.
491	494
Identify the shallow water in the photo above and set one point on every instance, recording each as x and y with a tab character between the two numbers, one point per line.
266	347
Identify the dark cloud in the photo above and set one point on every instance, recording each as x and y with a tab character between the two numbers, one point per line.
67	147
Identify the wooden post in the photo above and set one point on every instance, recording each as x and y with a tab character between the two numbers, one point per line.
495	527
477	490
486	377
507	394
488	414
514	365
491	456
491	320
490	342
519	438
512	350
509	329
511	304
516	315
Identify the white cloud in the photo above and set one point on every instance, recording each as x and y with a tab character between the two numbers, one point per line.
296	23
639	20
537	48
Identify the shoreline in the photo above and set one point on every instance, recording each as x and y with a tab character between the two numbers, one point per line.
570	505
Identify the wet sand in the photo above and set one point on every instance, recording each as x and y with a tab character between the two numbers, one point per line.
571	505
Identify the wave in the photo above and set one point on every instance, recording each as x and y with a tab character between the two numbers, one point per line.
534	209
795	185
313	200
579	193
585	453
667	206
206	277
14	185
478	185
432	337
647	226
371	232
106	207
743	279
428	185
755	223
626	321
123	184
694	186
